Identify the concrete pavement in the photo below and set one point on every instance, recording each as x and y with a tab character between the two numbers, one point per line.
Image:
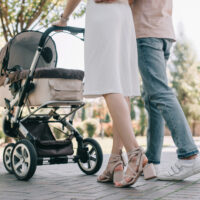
60	182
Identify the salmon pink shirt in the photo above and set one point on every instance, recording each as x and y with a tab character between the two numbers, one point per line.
153	18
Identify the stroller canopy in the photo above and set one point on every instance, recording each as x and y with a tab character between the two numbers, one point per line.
21	50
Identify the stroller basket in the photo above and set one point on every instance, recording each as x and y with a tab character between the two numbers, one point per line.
46	144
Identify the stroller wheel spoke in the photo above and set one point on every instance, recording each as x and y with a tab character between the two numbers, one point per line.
89	164
8	153
91	150
19	164
24	167
8	161
18	155
24	152
93	159
27	160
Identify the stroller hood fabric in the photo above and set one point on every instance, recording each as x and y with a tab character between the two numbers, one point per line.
21	49
3	57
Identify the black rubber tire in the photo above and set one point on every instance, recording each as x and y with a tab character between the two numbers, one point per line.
11	145
99	156
33	160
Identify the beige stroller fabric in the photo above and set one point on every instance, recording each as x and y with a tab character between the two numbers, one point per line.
55	90
21	50
50	85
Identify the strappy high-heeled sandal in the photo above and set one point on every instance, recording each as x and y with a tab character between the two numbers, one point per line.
114	169
141	166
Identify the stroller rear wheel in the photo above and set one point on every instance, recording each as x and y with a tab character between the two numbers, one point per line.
95	157
7	157
24	160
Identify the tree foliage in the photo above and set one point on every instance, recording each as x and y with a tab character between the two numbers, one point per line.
19	15
83	114
186	79
107	118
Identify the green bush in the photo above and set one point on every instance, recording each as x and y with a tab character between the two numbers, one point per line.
91	126
107	118
2	134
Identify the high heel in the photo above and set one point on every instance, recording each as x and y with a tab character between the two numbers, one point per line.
149	171
141	165
114	169
118	173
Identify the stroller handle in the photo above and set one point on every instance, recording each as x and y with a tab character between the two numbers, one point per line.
72	30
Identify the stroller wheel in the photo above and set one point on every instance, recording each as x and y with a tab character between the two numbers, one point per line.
95	157
24	160
7	157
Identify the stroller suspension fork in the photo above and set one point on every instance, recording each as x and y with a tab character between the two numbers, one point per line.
82	151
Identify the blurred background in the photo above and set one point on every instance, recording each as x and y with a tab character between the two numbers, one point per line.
94	119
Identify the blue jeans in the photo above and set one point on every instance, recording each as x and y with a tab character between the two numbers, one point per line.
160	101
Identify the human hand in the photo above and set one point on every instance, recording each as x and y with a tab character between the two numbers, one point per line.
60	22
105	1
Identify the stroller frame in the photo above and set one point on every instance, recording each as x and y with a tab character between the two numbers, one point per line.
14	117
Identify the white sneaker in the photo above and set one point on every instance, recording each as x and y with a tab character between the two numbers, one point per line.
157	168
181	170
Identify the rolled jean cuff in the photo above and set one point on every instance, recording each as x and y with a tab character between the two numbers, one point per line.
186	155
154	162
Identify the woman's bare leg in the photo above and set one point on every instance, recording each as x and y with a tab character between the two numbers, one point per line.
119	108
117	142
120	113
116	150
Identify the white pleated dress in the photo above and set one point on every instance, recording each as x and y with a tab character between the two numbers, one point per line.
111	61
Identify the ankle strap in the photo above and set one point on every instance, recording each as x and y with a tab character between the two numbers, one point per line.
117	158
122	158
137	152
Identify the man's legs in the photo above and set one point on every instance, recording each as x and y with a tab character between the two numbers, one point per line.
160	99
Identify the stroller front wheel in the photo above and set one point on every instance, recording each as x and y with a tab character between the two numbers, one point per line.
24	160
95	157
7	157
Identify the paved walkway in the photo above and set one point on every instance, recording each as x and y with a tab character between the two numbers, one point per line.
62	182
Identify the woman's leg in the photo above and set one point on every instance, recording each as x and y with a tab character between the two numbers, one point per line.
115	167
115	152
117	142
120	113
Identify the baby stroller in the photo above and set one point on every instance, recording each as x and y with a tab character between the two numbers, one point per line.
36	94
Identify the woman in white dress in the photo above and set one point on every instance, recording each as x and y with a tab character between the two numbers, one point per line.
111	71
